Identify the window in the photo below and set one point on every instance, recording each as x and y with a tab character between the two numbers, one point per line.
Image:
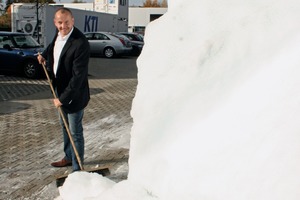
4	40
99	36
123	2
89	36
154	17
25	41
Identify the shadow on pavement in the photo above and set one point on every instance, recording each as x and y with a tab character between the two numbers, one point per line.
8	107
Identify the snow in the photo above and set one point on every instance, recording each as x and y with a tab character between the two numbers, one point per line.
110	137
216	110
89	184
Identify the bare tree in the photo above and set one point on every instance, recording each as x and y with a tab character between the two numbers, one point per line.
155	3
147	3
152	3
5	19
164	4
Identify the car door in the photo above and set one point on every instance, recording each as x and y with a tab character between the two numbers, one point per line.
10	58
98	43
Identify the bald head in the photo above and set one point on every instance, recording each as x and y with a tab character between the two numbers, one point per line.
63	20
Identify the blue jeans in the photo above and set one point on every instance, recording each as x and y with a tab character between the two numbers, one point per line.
75	125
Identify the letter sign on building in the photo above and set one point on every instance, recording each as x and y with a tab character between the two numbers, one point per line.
91	23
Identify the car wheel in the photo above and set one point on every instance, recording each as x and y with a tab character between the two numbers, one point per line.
109	52
31	69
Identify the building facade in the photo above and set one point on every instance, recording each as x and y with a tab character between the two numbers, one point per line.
140	17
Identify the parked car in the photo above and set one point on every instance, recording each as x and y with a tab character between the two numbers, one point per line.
18	53
107	44
137	41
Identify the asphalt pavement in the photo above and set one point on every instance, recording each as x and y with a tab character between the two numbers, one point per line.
31	135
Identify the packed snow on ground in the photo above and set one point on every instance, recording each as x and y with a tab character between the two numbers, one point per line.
216	109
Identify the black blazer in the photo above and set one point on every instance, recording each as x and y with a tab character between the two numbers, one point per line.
71	81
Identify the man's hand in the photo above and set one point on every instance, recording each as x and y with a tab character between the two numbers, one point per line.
41	59
57	103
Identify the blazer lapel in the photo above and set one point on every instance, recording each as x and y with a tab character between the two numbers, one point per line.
66	47
68	43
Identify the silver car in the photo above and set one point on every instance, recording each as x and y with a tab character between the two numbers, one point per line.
137	41
104	43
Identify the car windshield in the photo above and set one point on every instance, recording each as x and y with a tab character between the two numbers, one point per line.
25	41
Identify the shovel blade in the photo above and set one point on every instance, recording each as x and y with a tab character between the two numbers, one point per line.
104	171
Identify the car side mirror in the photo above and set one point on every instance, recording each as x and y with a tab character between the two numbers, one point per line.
6	46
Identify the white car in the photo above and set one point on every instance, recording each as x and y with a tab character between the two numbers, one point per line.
104	43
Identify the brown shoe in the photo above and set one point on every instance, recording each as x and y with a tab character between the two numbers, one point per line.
62	163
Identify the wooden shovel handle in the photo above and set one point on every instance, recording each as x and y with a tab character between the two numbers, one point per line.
64	119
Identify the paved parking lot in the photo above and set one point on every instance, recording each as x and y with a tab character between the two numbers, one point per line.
31	136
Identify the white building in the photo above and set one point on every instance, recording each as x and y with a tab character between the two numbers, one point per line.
137	17
25	18
140	17
102	15
116	7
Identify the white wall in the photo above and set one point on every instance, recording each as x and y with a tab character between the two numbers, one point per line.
140	17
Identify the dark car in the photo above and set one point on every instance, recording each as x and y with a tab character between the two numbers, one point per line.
18	53
137	41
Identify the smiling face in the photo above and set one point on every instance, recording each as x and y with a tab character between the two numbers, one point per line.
64	21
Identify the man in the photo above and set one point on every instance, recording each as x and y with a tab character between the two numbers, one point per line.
67	61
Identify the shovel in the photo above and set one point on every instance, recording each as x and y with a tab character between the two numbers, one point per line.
104	171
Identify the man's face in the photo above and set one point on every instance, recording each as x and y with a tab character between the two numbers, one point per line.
63	22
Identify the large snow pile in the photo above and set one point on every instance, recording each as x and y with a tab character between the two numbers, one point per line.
217	108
